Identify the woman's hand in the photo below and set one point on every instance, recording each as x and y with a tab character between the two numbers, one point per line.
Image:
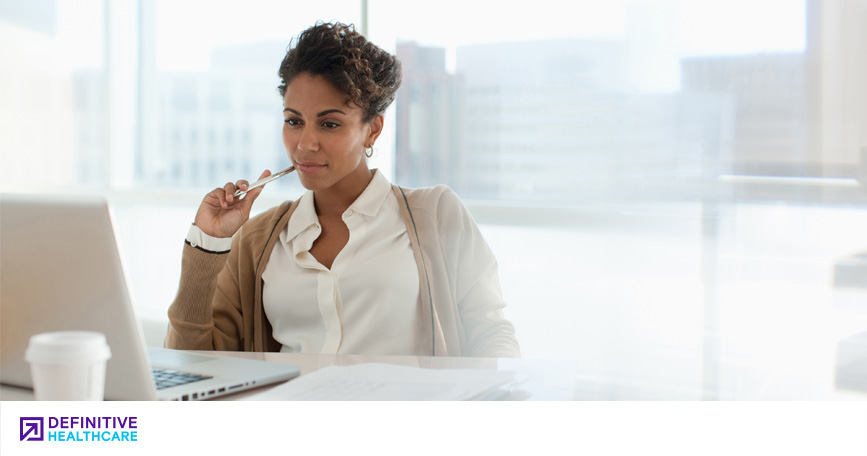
221	213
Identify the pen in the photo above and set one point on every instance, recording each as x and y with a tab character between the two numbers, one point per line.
265	180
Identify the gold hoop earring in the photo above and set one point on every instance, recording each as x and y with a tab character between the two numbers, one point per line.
368	151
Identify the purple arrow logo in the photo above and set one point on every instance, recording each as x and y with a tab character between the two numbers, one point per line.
31	428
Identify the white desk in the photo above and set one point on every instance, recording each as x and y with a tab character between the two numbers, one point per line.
813	378
548	379
551	379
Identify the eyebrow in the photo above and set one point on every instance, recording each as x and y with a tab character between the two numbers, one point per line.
323	113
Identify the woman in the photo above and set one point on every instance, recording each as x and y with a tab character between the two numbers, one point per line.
356	265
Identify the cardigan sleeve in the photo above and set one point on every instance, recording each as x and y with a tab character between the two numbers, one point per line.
205	314
476	282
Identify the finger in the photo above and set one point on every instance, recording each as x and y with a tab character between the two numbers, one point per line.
254	193
229	195
264	174
216	197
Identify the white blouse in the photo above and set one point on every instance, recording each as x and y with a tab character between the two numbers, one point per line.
367	302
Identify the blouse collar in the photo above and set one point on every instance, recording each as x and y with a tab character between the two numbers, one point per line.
368	203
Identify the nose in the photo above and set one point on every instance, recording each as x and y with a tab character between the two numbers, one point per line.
308	141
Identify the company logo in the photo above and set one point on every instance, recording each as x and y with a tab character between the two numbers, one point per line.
32	428
79	429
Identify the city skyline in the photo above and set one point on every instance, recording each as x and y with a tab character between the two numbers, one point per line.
569	120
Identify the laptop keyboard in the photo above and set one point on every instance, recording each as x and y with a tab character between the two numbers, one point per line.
165	378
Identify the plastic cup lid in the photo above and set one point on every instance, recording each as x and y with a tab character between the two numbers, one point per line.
67	347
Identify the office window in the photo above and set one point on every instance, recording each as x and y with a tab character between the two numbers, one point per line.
619	102
656	177
210	70
151	103
53	109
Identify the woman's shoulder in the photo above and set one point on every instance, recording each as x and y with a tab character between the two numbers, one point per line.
431	198
440	203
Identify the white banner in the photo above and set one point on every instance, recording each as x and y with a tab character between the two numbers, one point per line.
250	428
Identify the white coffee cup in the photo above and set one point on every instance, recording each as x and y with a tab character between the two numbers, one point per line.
68	365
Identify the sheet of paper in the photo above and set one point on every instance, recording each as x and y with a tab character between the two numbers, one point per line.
384	382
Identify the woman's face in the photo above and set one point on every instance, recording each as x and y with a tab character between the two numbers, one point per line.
324	137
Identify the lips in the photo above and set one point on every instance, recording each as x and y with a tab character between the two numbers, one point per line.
309	167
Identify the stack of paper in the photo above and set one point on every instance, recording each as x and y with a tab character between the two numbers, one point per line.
387	382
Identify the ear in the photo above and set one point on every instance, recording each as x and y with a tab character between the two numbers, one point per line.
375	126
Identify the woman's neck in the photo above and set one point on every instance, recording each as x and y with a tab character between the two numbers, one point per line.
336	199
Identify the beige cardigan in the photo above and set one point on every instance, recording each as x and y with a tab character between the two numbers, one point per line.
219	301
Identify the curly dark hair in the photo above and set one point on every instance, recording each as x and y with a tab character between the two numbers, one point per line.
367	74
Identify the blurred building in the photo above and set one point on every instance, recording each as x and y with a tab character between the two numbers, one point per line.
561	121
557	121
430	110
768	100
216	126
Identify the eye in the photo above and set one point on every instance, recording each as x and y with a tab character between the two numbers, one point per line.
330	125
292	121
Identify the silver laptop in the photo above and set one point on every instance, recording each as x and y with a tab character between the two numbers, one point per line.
60	269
